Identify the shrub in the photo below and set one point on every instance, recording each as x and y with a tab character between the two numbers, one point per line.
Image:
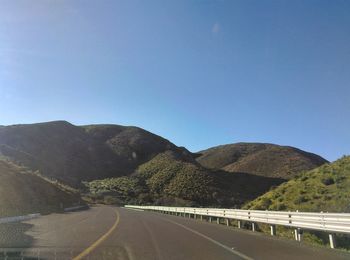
328	181
265	202
300	199
304	178
280	206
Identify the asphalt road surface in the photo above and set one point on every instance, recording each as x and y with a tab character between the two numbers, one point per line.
106	232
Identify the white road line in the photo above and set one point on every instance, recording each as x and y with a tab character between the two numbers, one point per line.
212	240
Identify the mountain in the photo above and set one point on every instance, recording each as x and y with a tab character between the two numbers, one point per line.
71	154
74	154
23	192
173	179
326	188
262	159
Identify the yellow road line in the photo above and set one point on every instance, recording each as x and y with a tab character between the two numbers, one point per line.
99	241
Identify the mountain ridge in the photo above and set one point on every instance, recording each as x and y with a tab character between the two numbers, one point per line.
265	159
73	154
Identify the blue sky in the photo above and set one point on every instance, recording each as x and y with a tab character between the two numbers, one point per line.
198	72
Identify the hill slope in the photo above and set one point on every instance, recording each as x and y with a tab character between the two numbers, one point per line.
267	160
71	154
22	192
170	179
326	188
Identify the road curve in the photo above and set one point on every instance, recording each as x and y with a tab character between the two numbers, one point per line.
106	232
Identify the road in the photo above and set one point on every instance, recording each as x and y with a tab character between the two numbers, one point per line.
106	232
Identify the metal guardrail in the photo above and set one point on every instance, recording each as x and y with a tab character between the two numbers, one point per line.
36	215
328	222
76	208
19	218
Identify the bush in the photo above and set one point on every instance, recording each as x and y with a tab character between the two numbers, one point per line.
328	181
265	202
280	206
300	199
110	200
304	178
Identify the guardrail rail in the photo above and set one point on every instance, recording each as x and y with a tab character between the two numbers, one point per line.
328	222
19	218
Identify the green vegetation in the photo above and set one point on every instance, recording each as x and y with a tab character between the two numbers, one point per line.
170	179
326	189
163	179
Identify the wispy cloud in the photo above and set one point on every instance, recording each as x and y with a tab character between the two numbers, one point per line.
216	28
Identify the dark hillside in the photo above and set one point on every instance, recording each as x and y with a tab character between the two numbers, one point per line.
131	143
72	154
58	150
267	160
22	192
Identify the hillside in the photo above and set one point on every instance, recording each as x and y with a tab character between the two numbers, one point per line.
326	188
267	160
75	154
170	179
22	192
71	154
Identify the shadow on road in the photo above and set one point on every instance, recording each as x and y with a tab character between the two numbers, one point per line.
12	235
14	241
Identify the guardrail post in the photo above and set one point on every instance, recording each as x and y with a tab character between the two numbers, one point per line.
273	230
297	234
227	222
332	240
253	226
239	224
